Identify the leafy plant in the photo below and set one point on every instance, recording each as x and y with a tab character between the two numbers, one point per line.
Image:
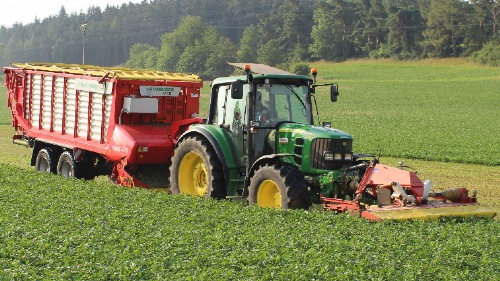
300	68
489	54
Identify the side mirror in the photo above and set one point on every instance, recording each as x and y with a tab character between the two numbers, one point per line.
334	92
237	90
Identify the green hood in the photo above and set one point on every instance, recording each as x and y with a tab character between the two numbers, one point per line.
310	132
308	144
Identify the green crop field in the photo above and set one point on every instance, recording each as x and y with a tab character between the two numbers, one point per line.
435	110
57	229
52	228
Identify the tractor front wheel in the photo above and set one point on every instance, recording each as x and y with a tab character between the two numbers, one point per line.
278	187
196	170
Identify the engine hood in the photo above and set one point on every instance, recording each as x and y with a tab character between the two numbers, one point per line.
308	147
309	132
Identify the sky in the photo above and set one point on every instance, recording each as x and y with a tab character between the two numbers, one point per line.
25	11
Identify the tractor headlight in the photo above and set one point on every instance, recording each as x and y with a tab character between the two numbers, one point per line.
328	156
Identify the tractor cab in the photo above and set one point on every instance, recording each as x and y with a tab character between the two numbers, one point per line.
253	107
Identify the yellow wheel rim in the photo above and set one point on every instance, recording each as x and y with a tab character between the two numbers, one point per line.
268	195
193	176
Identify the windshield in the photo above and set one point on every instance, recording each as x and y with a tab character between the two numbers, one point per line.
282	102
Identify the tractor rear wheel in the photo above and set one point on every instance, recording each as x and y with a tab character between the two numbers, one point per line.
196	170
278	187
46	161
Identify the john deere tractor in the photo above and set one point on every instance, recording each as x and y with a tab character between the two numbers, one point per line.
260	142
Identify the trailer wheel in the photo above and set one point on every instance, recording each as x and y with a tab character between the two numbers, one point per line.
46	161
66	165
196	170
278	187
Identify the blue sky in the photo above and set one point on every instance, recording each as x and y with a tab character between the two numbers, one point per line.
26	11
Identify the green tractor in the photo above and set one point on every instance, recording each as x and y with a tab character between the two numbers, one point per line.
260	142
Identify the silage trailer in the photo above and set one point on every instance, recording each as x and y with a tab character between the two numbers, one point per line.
83	121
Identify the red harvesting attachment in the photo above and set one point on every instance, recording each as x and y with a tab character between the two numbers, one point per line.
388	193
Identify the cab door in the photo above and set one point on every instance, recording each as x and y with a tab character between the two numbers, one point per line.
230	114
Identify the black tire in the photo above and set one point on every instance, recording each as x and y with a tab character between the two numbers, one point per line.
66	165
69	168
278	187
196	170
46	161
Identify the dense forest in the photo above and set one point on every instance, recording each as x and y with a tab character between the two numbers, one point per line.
199	36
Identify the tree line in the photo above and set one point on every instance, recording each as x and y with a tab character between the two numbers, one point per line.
200	36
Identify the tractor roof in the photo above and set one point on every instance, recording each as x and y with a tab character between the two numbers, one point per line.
259	71
260	68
